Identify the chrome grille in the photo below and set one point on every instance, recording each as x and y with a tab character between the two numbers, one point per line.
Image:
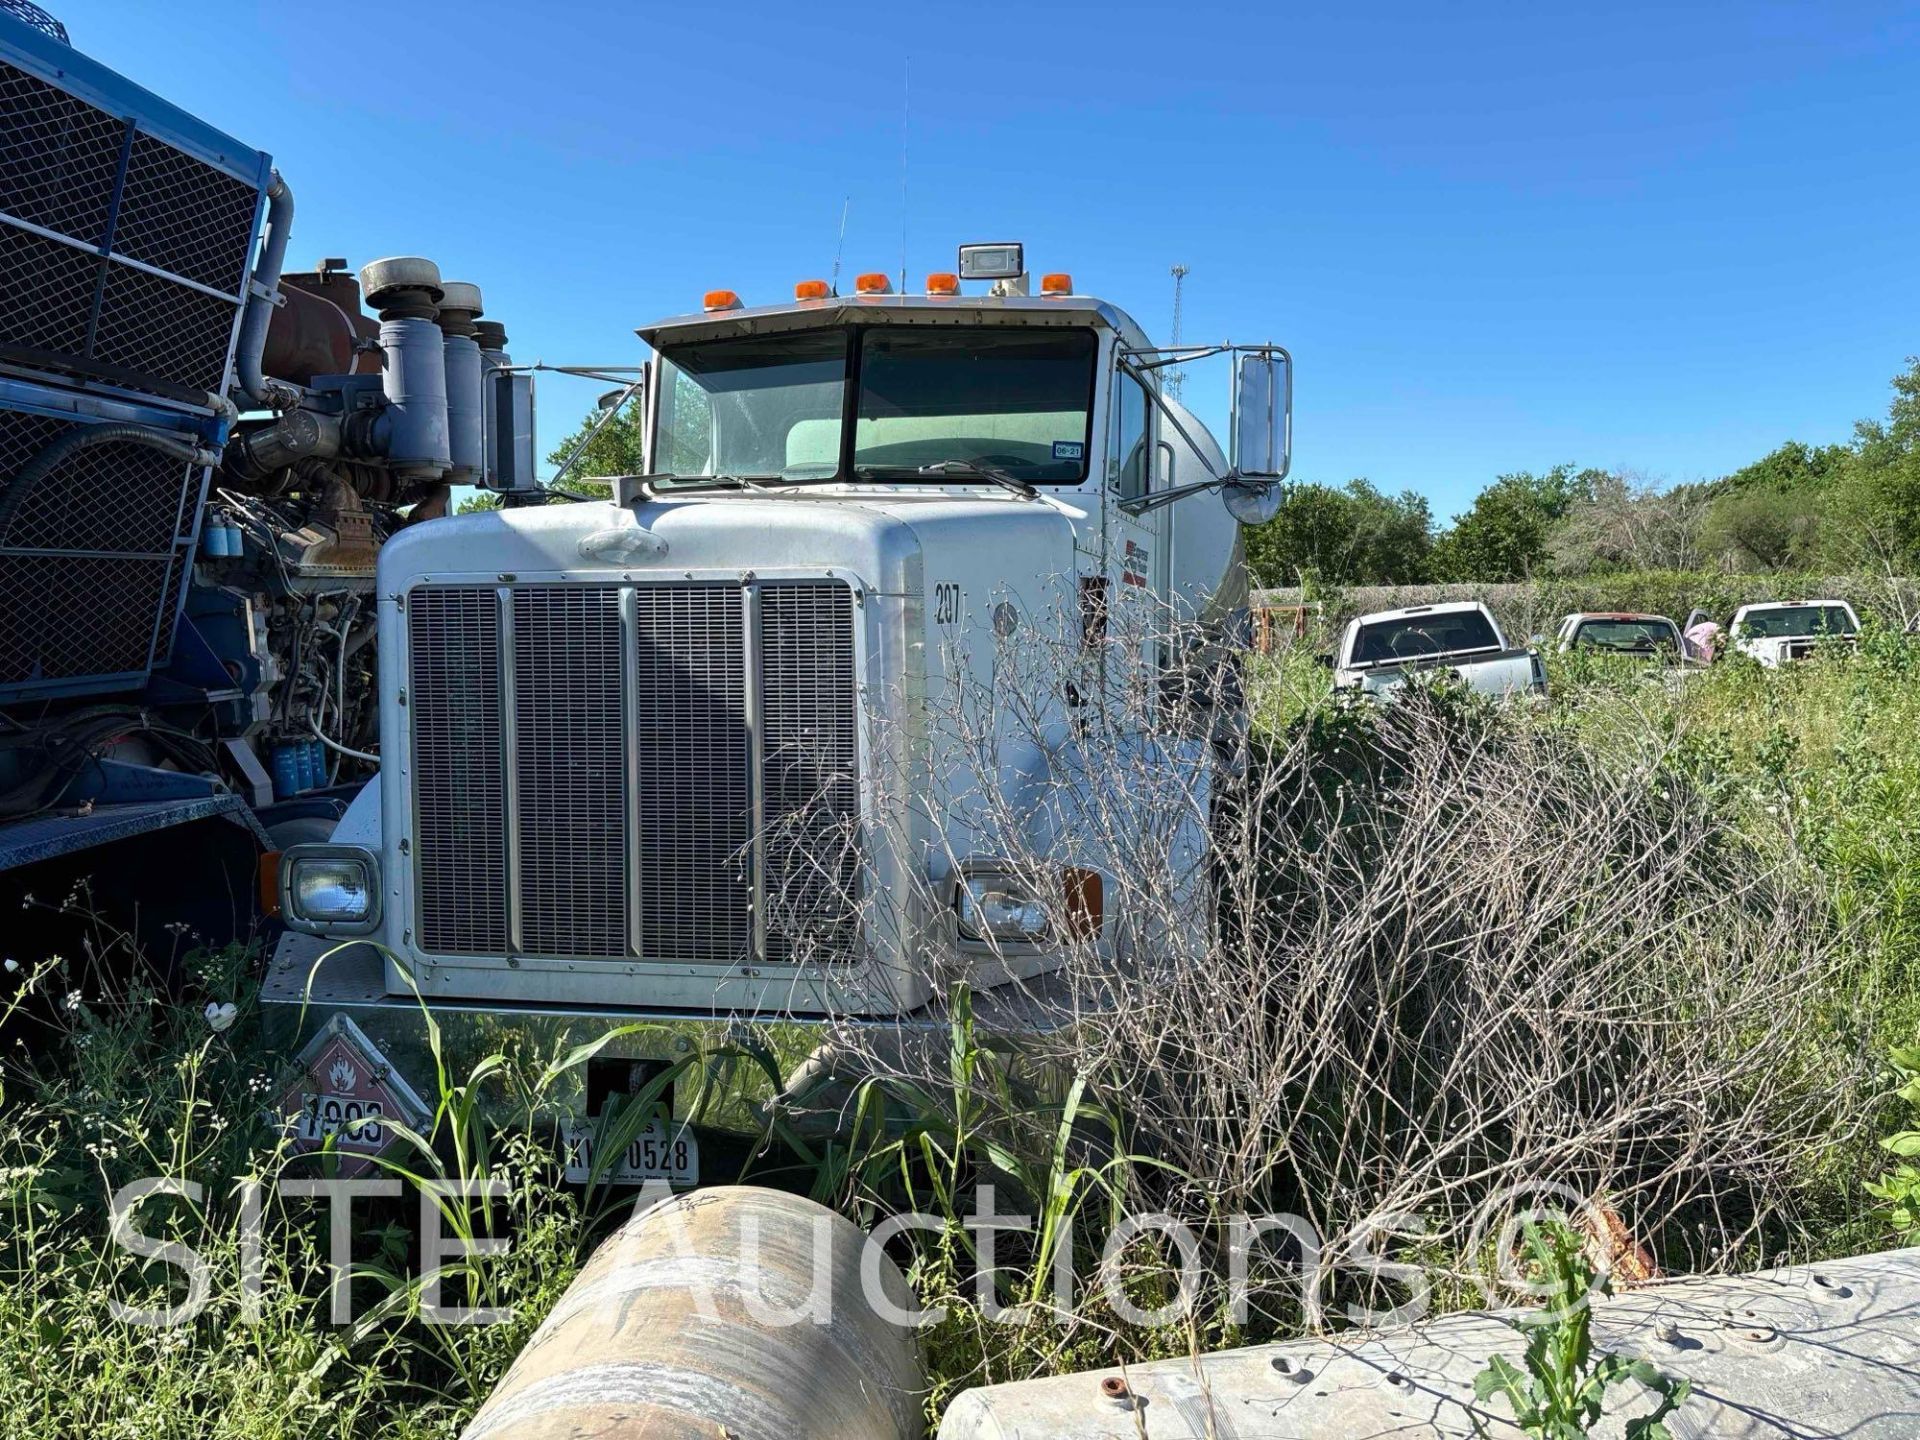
460	812
812	805
643	725
567	773
692	772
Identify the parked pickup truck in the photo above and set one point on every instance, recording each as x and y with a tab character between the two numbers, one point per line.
1620	632
1783	630
1379	653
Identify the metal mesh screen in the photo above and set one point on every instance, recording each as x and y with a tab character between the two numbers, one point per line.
460	803
43	641
568	744
40	20
692	846
83	194
90	562
811	767
185	217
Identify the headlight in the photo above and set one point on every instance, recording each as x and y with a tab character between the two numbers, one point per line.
996	907
329	889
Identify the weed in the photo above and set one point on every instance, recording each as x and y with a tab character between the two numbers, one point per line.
1560	1389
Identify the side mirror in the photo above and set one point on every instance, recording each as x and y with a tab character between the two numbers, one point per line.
1324	660
1262	423
1262	433
511	445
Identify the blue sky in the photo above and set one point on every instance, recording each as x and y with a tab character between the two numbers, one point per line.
1659	237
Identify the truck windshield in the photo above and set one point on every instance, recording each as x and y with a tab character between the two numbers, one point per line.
1797	622
1005	398
1636	636
1411	636
1015	399
766	406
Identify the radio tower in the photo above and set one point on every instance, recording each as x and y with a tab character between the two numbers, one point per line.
1176	377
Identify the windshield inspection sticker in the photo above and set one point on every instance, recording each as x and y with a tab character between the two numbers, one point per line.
1069	449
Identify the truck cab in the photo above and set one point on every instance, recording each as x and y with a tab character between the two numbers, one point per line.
716	746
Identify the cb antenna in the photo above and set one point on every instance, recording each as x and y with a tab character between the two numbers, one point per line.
1176	377
841	248
906	125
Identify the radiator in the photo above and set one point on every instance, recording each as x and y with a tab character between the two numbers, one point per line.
91	563
123	257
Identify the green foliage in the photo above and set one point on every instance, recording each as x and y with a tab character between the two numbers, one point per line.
1840	507
129	1085
1560	1389
1898	1191
1353	535
1505	533
1794	466
1764	527
617	448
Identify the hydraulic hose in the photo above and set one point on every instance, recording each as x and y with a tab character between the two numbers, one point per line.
56	452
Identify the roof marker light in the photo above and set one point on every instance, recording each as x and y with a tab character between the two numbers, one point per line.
873	283
1058	283
943	282
811	290
721	300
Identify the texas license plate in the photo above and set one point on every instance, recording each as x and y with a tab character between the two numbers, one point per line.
656	1153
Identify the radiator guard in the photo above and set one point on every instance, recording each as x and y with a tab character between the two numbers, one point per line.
127	228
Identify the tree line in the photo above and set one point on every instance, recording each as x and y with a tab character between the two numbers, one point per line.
1848	507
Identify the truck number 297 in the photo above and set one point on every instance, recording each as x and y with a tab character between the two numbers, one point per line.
946	604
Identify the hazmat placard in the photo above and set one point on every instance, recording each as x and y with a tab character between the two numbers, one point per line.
346	1089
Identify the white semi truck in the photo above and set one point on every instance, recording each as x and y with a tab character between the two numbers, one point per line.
683	754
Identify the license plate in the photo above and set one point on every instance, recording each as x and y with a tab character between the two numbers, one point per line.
656	1153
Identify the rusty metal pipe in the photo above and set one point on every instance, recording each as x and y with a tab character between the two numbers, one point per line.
675	1329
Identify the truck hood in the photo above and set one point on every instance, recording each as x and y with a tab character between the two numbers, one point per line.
892	543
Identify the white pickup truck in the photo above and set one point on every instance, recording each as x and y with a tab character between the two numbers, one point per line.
1783	630
1379	653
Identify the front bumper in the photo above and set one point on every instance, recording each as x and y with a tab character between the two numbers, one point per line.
743	1070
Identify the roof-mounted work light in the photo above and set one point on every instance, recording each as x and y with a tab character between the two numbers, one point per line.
1006	261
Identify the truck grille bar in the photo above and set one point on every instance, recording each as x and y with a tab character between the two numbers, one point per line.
589	763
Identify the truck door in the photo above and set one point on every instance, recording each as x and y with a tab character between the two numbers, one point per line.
1137	542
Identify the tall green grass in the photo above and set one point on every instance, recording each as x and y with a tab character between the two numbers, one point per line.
1818	766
